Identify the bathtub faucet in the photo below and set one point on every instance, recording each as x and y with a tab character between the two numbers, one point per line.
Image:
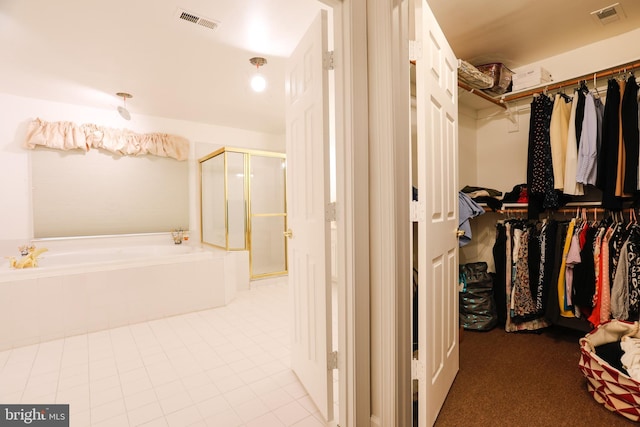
178	235
28	260
26	249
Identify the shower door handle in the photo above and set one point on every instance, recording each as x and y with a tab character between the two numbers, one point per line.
288	233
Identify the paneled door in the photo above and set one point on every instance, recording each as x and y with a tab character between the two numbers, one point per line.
437	163
308	231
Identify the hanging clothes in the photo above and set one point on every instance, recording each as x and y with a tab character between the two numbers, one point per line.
512	252
625	291
540	184
581	92
558	133
608	158
500	263
584	274
629	120
571	186
621	150
594	317
588	150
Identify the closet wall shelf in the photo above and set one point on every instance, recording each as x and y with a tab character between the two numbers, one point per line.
481	94
501	101
569	208
607	72
568	205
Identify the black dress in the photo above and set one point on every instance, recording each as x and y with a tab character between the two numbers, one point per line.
630	135
540	185
608	159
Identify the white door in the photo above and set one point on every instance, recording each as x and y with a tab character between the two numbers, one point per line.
437	162
307	197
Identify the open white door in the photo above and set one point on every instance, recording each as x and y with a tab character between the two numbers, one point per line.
307	197
437	162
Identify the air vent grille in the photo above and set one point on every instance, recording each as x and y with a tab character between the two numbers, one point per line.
192	17
608	14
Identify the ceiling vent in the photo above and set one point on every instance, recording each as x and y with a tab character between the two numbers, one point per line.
196	19
608	14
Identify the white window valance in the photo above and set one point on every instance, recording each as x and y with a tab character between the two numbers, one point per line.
70	136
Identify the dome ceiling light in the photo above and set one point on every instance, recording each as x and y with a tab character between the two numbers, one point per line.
122	109
258	82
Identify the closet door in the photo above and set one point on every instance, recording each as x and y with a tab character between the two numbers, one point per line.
437	154
307	197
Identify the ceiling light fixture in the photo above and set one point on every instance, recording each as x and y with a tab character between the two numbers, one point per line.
122	110
258	82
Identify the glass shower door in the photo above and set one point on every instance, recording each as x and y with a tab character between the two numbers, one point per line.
268	219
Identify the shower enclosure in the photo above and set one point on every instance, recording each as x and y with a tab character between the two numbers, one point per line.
243	206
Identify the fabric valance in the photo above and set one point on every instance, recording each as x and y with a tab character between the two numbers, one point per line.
70	136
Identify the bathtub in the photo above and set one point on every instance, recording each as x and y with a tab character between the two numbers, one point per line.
87	285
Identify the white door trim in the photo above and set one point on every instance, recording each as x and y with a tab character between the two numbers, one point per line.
352	209
390	195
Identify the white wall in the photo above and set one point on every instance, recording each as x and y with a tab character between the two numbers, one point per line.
17	112
468	167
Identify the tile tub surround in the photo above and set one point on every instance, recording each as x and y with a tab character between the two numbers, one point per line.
98	287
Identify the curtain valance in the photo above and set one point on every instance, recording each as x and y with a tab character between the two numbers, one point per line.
70	136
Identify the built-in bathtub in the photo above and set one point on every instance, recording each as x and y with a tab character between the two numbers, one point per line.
91	284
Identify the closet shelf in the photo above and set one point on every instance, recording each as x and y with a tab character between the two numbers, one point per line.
502	100
569	204
481	94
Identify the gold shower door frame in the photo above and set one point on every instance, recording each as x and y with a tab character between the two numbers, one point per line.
249	216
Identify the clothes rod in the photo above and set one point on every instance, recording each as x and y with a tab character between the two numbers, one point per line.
562	211
481	94
558	85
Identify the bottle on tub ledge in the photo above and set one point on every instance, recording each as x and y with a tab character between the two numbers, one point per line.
179	235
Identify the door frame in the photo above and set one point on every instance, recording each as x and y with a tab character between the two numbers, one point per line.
352	209
371	41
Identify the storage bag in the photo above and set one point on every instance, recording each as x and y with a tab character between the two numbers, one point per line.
610	387
477	305
473	77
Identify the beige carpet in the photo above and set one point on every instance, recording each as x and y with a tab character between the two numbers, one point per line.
522	379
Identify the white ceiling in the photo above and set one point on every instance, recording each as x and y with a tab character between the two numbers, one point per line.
519	32
84	51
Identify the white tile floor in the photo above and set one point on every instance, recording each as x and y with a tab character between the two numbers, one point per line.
222	367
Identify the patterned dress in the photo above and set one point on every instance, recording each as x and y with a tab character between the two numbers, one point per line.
540	179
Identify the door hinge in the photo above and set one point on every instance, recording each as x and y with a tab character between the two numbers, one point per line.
330	212
332	361
416	211
415	50
417	370
327	60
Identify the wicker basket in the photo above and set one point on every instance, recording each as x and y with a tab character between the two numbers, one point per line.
617	391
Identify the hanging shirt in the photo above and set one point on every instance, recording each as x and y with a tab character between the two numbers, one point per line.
571	186
573	258
605	295
561	277
588	151
558	133
594	318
